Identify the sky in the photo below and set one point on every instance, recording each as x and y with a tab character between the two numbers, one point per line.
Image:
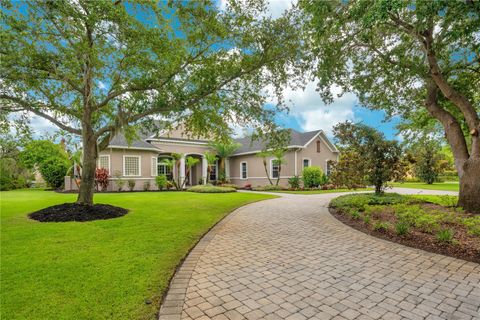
307	111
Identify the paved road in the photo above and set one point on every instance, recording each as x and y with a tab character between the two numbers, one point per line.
288	258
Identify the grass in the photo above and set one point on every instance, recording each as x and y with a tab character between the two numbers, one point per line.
446	186
321	191
106	269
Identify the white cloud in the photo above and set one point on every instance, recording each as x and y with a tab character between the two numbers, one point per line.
275	8
307	107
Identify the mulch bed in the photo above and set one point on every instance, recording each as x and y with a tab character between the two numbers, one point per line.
467	248
77	212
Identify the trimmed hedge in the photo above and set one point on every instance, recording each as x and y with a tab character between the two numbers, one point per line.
211	189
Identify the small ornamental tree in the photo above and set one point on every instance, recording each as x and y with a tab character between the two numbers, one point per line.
224	150
381	159
348	170
97	68
428	160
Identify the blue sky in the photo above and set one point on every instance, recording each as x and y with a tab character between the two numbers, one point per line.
307	110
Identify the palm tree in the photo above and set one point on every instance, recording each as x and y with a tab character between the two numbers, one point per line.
264	155
224	150
171	164
190	162
176	158
211	159
279	159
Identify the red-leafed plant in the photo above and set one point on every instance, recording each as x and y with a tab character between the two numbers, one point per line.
247	186
101	178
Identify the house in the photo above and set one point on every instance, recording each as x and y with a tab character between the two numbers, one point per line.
142	159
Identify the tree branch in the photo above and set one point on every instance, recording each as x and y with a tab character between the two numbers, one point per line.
27	106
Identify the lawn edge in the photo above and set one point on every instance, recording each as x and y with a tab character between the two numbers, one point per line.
172	300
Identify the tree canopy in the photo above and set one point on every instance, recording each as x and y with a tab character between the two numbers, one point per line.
417	59
96	68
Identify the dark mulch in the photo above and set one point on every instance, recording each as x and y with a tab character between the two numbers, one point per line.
77	212
466	248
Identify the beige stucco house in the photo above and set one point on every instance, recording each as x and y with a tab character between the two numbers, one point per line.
141	160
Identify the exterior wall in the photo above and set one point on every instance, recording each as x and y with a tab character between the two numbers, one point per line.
316	159
256	172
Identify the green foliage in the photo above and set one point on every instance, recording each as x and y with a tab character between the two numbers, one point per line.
37	151
362	201
380	159
294	182
161	182
402	228
445	235
13	173
427	159
228	185
473	225
131	184
344	172
381	226
312	177
53	171
211	189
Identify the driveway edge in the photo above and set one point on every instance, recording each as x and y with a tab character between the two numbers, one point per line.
172	304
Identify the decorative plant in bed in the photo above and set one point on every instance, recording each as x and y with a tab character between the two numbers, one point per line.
431	223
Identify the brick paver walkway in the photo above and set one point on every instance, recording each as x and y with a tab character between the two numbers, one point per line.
288	258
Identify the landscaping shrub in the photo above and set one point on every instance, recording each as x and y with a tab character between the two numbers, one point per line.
473	225
247	186
381	226
119	180
269	188
101	179
401	228
146	186
170	185
53	170
312	177
161	182
445	235
294	182
211	189
131	184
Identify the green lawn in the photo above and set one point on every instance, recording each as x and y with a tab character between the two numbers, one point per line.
322	191
447	186
104	269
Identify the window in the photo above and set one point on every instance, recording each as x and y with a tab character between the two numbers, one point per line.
131	166
318	146
243	170
104	162
306	163
154	167
163	169
213	172
275	168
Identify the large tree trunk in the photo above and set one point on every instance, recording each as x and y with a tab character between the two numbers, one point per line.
469	197
87	185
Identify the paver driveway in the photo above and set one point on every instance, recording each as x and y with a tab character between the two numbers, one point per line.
288	258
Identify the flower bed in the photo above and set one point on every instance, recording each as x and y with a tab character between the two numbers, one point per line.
431	223
211	189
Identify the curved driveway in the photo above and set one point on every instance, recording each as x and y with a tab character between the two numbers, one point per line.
288	258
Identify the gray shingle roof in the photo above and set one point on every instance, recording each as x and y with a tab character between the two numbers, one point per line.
119	140
296	139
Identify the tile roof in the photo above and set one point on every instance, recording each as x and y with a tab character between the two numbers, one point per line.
119	140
